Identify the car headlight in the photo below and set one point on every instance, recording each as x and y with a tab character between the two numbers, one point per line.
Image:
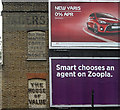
102	22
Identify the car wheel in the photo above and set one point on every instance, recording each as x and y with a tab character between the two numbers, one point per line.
95	29
88	26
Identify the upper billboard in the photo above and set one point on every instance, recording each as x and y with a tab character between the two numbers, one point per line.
84	25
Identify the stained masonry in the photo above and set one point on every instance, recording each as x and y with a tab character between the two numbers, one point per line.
19	19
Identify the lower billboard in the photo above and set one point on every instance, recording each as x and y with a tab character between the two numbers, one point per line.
84	82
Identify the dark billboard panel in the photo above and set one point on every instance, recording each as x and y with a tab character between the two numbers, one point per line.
84	25
82	81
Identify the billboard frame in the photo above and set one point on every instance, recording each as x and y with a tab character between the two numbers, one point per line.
67	106
80	45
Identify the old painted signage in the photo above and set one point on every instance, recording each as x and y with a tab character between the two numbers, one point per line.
26	21
36	45
37	93
77	77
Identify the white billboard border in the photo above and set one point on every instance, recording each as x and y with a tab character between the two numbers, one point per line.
95	46
50	82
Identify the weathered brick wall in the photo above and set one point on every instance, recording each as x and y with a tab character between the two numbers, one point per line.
25	6
18	18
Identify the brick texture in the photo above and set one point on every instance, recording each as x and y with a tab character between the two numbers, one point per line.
15	63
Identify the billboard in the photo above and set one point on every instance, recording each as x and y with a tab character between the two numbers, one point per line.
83	25
73	80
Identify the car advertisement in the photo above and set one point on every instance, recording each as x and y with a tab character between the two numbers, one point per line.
84	25
84	81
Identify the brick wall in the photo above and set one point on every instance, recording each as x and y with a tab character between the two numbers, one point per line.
15	63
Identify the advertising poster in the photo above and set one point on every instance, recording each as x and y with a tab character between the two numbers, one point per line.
76	82
83	25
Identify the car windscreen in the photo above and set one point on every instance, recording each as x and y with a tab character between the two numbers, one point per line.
101	15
